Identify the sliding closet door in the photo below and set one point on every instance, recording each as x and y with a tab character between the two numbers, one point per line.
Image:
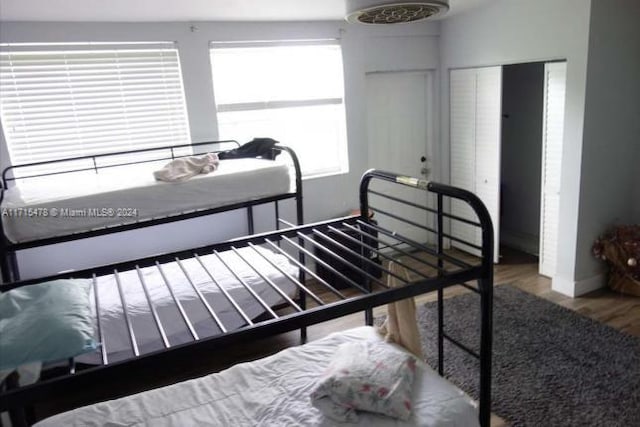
463	152
488	145
476	100
552	134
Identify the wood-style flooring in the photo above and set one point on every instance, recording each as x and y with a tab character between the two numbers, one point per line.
517	269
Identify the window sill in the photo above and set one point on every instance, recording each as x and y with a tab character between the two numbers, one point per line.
325	174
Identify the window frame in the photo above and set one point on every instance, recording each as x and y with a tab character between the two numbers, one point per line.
342	164
178	133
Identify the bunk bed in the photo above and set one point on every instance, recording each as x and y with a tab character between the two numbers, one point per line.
58	201
432	266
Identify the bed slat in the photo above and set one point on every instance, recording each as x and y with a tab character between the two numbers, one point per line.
267	280
305	268
123	300
346	263
101	339
448	258
247	287
402	251
187	322
381	254
232	301
213	314
325	264
288	276
152	307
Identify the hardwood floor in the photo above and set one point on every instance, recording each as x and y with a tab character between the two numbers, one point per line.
517	269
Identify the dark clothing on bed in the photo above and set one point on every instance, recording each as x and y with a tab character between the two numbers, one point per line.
258	147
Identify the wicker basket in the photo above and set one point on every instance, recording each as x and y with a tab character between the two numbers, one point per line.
620	248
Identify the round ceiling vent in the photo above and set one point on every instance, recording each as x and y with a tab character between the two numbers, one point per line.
393	12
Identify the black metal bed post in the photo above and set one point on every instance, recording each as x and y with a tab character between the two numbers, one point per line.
485	285
485	289
17	415
13	263
8	259
250	222
5	265
4	249
364	215
300	220
440	291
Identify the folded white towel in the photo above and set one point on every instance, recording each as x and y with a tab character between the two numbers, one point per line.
401	325
184	168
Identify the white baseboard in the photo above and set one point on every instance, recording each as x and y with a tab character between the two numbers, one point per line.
577	288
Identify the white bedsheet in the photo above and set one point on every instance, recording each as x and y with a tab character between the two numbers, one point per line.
134	188
273	391
116	335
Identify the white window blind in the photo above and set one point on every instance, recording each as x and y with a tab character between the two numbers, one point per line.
87	100
290	91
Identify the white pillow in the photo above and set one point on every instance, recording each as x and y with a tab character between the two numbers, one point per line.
366	376
45	322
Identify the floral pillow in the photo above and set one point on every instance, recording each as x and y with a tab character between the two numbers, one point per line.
366	376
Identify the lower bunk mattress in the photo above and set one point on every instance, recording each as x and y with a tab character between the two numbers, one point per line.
46	207
201	273
274	391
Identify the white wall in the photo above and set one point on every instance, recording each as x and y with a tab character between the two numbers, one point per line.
517	31
365	49
522	111
611	146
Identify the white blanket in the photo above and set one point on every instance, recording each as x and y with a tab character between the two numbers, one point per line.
187	167
273	391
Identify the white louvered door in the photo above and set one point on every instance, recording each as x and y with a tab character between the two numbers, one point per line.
476	108
463	152
552	134
488	146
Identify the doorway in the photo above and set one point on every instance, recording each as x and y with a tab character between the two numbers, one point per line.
506	127
521	149
400	139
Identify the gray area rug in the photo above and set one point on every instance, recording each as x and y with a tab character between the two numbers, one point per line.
551	366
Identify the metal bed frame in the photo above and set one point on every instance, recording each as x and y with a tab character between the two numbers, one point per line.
8	249
434	268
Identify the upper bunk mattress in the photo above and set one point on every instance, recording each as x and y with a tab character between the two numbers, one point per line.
60	205
273	391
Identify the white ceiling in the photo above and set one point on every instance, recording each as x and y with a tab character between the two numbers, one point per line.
185	10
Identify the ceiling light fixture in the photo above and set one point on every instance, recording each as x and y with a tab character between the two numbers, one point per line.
393	12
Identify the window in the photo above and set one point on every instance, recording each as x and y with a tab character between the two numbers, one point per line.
89	99
292	92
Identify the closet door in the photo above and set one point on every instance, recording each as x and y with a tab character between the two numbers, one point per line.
553	135
463	152
488	146
476	108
